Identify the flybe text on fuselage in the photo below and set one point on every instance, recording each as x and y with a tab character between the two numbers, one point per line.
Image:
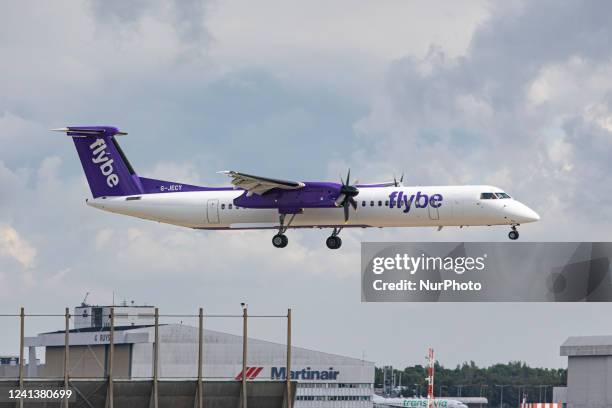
280	373
100	156
405	201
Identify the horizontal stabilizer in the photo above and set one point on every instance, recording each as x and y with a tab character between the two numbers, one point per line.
85	131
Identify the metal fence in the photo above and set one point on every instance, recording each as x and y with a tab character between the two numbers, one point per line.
109	369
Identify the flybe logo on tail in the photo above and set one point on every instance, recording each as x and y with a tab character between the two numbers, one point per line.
401	200
100	156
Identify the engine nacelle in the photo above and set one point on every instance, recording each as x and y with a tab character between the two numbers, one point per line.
312	195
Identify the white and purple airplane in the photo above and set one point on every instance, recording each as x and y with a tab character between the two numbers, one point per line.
254	202
383	402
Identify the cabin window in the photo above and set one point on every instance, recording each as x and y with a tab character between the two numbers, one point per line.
371	203
363	204
502	195
380	203
229	206
386	203
223	206
488	196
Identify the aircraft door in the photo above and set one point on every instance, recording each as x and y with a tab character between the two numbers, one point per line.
212	211
434	214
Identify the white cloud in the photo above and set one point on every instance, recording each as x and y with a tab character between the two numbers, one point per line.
340	45
532	120
185	172
157	252
570	85
600	114
13	245
58	279
48	177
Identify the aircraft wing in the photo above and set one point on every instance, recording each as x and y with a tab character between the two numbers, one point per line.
260	185
381	184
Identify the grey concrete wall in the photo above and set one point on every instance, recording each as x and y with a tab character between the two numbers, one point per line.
8	371
172	394
589	382
87	361
560	394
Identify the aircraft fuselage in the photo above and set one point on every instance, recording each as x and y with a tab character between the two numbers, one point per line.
417	206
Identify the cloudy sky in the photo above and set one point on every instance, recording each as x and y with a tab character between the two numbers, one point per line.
515	94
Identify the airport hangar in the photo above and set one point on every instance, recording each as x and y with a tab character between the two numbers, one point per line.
324	380
589	373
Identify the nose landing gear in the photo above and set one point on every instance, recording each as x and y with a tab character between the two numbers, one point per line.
334	241
513	235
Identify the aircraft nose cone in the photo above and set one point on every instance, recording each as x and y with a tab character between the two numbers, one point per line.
523	214
534	216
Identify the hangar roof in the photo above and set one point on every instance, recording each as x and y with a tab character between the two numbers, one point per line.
180	333
587	346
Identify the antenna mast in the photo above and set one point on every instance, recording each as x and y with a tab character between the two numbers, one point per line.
430	378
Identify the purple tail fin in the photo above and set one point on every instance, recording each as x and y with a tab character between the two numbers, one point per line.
108	171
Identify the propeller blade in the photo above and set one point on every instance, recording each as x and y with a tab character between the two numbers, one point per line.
340	200
346	211
345	198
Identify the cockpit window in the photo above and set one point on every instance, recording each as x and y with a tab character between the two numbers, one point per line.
502	195
487	196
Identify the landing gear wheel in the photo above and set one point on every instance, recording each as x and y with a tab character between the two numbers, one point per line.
513	235
333	242
280	240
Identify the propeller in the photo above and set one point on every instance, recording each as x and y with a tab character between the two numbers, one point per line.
399	183
346	196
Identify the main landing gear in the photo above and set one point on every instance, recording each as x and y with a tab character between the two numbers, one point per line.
280	240
513	235
334	241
